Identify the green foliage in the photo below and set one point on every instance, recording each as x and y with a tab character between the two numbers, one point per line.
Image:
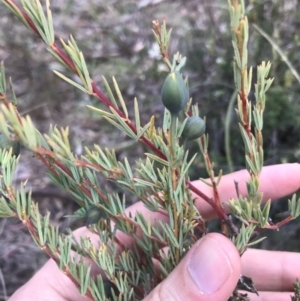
296	297
160	179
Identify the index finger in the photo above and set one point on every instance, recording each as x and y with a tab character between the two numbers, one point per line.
276	181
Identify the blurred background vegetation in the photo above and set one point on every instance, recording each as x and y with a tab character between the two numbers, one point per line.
116	39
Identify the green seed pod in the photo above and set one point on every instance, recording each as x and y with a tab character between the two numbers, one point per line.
193	129
174	93
93	215
109	287
7	144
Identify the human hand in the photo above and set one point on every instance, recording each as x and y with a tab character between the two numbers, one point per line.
211	268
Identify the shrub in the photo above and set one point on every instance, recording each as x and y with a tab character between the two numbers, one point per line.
160	179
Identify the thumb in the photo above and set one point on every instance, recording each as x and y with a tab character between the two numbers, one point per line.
210	271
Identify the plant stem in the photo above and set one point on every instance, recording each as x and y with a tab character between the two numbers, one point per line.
173	133
173	138
97	93
214	184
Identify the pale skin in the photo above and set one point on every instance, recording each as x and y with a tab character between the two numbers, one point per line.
272	272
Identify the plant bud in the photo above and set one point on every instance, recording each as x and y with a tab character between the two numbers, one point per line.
109	287
174	93
93	216
6	144
194	128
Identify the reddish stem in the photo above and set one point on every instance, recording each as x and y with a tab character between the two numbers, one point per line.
64	57
25	16
143	139
219	210
29	224
108	103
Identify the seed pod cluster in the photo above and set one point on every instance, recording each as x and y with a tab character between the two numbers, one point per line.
193	129
174	93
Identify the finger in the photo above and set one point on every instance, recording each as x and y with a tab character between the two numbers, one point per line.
271	296
49	283
208	272
271	270
276	181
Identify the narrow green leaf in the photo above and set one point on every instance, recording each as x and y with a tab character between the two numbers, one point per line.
266	211
294	207
122	122
120	127
2	78
72	52
86	75
158	159
142	131
168	230
246	139
15	10
137	115
128	169
71	82
237	55
5	209
46	29
184	174
143	183
110	93
50	23
102	112
120	97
